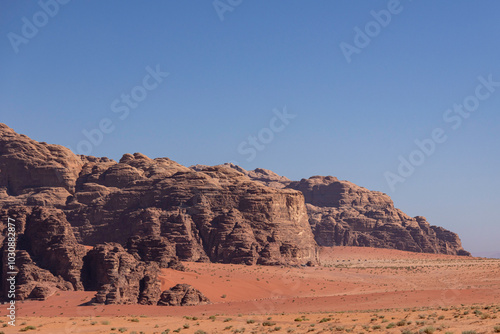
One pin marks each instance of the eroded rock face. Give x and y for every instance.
(214, 214)
(264, 176)
(156, 249)
(35, 282)
(48, 258)
(182, 295)
(344, 214)
(28, 166)
(141, 214)
(49, 239)
(119, 277)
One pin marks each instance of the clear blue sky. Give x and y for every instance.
(227, 76)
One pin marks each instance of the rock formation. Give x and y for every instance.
(156, 249)
(49, 238)
(27, 165)
(48, 258)
(182, 295)
(344, 214)
(142, 214)
(119, 278)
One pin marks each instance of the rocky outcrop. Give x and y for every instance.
(34, 282)
(28, 166)
(49, 239)
(119, 278)
(214, 214)
(264, 176)
(142, 214)
(182, 295)
(344, 214)
(48, 258)
(154, 249)
(163, 210)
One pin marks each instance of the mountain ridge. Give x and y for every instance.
(153, 213)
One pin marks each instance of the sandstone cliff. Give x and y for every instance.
(344, 214)
(142, 214)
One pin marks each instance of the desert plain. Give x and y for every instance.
(352, 290)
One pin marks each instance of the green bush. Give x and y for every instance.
(268, 323)
(428, 330)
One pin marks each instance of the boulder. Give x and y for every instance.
(182, 295)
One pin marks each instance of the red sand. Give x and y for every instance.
(349, 279)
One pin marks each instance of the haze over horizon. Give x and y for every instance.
(233, 79)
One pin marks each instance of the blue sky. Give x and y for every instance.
(227, 78)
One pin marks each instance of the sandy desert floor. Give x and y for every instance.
(354, 290)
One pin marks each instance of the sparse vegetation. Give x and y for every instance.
(427, 330)
(268, 323)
